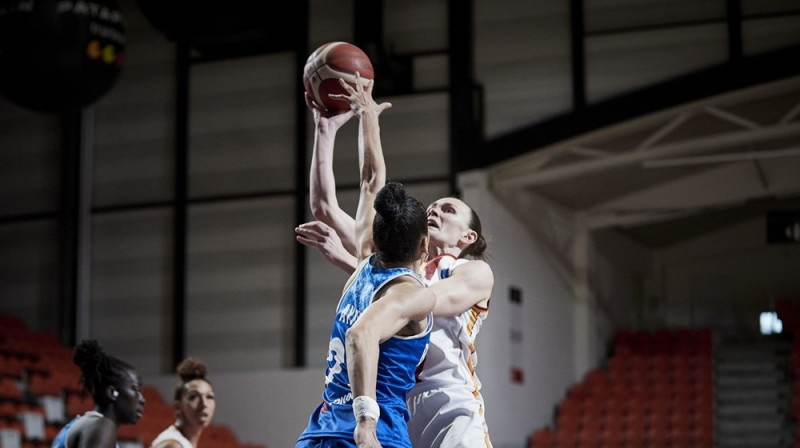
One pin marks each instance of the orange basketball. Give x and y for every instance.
(326, 65)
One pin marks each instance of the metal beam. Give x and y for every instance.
(734, 21)
(523, 177)
(69, 223)
(578, 55)
(731, 76)
(180, 203)
(722, 158)
(466, 135)
(301, 176)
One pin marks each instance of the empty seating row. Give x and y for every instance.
(655, 392)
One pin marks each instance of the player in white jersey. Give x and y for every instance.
(195, 403)
(173, 437)
(446, 406)
(462, 296)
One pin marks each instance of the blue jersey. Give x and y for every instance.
(399, 357)
(60, 441)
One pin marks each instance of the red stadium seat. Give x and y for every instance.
(541, 438)
(9, 389)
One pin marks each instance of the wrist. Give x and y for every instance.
(364, 406)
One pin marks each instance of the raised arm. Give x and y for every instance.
(322, 195)
(335, 234)
(370, 159)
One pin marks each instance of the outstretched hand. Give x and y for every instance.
(360, 96)
(322, 237)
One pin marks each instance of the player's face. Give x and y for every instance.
(448, 222)
(197, 403)
(129, 404)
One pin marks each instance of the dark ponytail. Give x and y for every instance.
(99, 369)
(399, 226)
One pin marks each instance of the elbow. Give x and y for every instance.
(371, 184)
(355, 340)
(353, 336)
(321, 211)
(316, 203)
(318, 213)
(322, 205)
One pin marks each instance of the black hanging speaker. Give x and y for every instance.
(59, 55)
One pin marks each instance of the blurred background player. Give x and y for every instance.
(115, 388)
(194, 407)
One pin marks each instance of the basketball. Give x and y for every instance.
(326, 65)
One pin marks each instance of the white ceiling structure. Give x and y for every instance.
(673, 174)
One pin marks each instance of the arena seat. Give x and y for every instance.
(35, 365)
(9, 391)
(541, 438)
(655, 390)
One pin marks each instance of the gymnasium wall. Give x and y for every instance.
(726, 279)
(545, 317)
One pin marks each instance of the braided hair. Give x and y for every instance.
(99, 370)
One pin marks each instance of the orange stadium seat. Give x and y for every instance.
(11, 366)
(129, 433)
(77, 404)
(563, 438)
(541, 438)
(9, 390)
(40, 385)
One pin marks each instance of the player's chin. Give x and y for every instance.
(204, 420)
(132, 420)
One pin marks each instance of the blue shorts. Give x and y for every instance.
(325, 443)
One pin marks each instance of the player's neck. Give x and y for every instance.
(379, 262)
(191, 432)
(437, 251)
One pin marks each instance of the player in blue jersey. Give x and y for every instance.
(115, 388)
(383, 320)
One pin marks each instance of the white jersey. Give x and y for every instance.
(172, 434)
(451, 358)
(445, 405)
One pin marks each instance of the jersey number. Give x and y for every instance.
(335, 354)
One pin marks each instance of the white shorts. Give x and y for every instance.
(447, 418)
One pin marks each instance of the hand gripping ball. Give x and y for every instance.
(326, 65)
